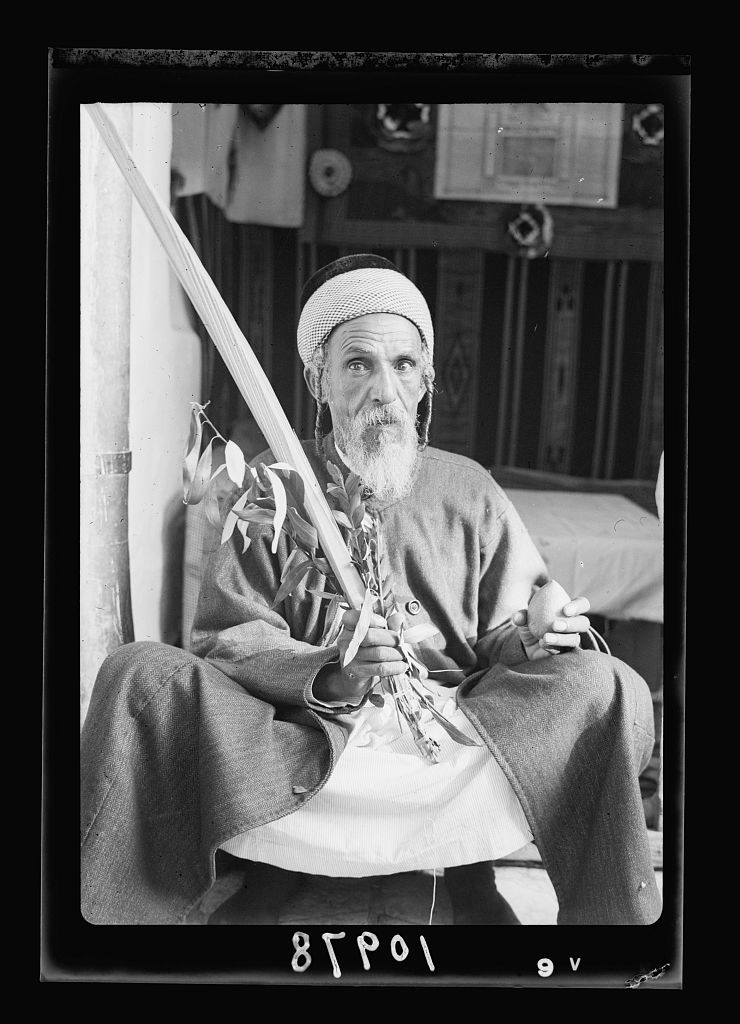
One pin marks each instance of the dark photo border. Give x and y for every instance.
(71, 948)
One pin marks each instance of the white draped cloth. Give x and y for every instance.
(386, 809)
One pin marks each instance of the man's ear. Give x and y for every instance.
(425, 387)
(312, 382)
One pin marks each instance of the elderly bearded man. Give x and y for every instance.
(263, 743)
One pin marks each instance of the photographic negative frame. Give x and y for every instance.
(72, 949)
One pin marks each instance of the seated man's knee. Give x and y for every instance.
(133, 672)
(143, 655)
(590, 672)
(604, 677)
(609, 679)
(636, 693)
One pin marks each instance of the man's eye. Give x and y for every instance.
(404, 365)
(355, 364)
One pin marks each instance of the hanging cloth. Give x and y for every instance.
(202, 141)
(267, 184)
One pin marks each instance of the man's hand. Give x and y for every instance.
(378, 655)
(567, 629)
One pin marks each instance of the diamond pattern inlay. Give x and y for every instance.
(455, 376)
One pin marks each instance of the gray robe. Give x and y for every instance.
(181, 751)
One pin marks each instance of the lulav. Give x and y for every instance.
(404, 694)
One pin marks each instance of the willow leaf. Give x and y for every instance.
(361, 628)
(342, 519)
(264, 501)
(242, 528)
(256, 515)
(418, 666)
(236, 464)
(190, 461)
(254, 488)
(303, 529)
(423, 631)
(212, 509)
(262, 478)
(202, 475)
(334, 615)
(291, 582)
(292, 482)
(449, 728)
(216, 473)
(232, 518)
(289, 561)
(281, 506)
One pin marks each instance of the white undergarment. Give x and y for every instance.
(385, 809)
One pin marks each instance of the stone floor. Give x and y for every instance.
(410, 898)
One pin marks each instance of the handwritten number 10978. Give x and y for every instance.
(366, 942)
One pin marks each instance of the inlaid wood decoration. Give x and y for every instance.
(561, 362)
(457, 340)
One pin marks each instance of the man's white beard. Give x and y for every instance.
(384, 458)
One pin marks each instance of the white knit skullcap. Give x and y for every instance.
(358, 292)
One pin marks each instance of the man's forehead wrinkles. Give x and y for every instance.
(388, 351)
(372, 341)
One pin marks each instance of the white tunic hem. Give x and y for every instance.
(384, 810)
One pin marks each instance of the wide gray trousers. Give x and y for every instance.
(176, 758)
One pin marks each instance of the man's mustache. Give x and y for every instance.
(381, 415)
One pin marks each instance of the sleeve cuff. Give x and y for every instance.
(512, 650)
(329, 707)
(501, 645)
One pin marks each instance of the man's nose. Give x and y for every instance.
(383, 386)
